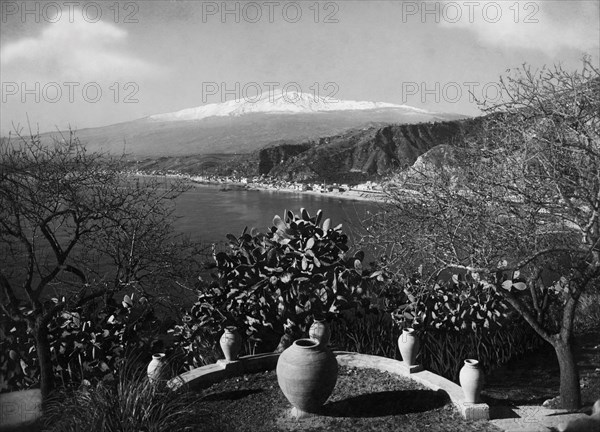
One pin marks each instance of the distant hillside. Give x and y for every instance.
(295, 137)
(363, 155)
(242, 126)
(352, 157)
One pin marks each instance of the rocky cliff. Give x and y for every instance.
(352, 157)
(360, 155)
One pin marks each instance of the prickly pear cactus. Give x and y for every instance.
(271, 284)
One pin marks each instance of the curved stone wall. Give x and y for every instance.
(206, 375)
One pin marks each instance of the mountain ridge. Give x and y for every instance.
(362, 155)
(290, 103)
(355, 156)
(244, 131)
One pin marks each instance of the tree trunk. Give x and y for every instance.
(42, 345)
(570, 393)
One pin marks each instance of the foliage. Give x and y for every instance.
(194, 342)
(521, 191)
(444, 352)
(130, 403)
(75, 226)
(401, 298)
(454, 320)
(274, 283)
(457, 318)
(459, 303)
(87, 344)
(588, 313)
(463, 302)
(367, 331)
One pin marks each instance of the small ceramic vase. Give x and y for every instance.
(231, 343)
(155, 366)
(319, 331)
(471, 380)
(408, 343)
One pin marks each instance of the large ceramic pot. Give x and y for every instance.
(155, 366)
(231, 343)
(307, 373)
(408, 343)
(471, 380)
(319, 331)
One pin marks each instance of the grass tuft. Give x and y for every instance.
(132, 403)
(587, 316)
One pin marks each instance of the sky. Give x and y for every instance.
(83, 64)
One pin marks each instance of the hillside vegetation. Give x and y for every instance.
(354, 156)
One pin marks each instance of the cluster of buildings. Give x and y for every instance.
(269, 183)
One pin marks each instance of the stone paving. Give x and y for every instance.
(524, 418)
(207, 374)
(531, 418)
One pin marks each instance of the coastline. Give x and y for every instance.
(226, 184)
(351, 195)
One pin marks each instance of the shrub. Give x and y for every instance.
(274, 283)
(194, 343)
(456, 319)
(444, 351)
(131, 403)
(588, 312)
(85, 343)
(366, 330)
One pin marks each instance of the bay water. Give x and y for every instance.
(208, 213)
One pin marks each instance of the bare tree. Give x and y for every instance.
(518, 203)
(75, 227)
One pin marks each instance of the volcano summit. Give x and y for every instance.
(245, 125)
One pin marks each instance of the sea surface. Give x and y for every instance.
(208, 213)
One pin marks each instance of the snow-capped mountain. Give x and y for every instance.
(278, 102)
(243, 126)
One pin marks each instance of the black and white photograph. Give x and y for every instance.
(311, 215)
